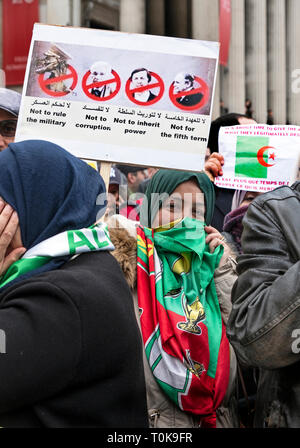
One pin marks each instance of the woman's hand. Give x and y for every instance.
(215, 239)
(213, 165)
(9, 223)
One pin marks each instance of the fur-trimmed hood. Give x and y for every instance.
(123, 236)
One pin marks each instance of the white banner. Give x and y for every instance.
(120, 97)
(259, 157)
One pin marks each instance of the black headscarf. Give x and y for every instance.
(225, 120)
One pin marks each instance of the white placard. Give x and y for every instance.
(119, 97)
(259, 157)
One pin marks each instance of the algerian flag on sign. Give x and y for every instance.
(254, 157)
(259, 157)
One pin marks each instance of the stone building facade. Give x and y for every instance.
(264, 57)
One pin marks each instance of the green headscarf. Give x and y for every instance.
(166, 181)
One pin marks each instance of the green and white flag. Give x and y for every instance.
(259, 157)
(66, 244)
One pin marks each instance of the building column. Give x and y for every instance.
(133, 16)
(233, 89)
(256, 58)
(277, 60)
(177, 23)
(205, 26)
(156, 17)
(58, 12)
(76, 13)
(293, 61)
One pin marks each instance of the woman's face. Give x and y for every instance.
(187, 200)
(249, 196)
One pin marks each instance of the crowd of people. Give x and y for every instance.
(172, 304)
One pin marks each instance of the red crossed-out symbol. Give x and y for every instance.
(45, 83)
(159, 83)
(202, 89)
(87, 88)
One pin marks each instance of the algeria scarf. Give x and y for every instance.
(65, 244)
(183, 332)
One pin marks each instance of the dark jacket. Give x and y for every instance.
(73, 349)
(266, 304)
(222, 206)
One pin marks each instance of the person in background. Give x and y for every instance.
(134, 175)
(232, 231)
(248, 108)
(223, 195)
(114, 197)
(233, 222)
(264, 325)
(143, 185)
(270, 117)
(9, 111)
(223, 109)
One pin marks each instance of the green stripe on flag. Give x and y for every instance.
(246, 162)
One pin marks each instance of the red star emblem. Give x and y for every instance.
(272, 156)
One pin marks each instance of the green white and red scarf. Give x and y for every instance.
(65, 244)
(183, 332)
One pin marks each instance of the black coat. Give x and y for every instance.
(73, 350)
(223, 205)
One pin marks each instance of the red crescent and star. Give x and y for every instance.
(260, 156)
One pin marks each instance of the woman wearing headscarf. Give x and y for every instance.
(233, 222)
(65, 364)
(182, 281)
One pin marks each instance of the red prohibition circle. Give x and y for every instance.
(44, 83)
(86, 87)
(203, 89)
(159, 83)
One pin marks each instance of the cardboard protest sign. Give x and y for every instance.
(119, 97)
(259, 157)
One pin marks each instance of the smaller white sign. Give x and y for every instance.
(259, 157)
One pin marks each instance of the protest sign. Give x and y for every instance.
(103, 96)
(259, 157)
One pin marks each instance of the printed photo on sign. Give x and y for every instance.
(120, 97)
(189, 92)
(121, 77)
(141, 85)
(101, 82)
(56, 77)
